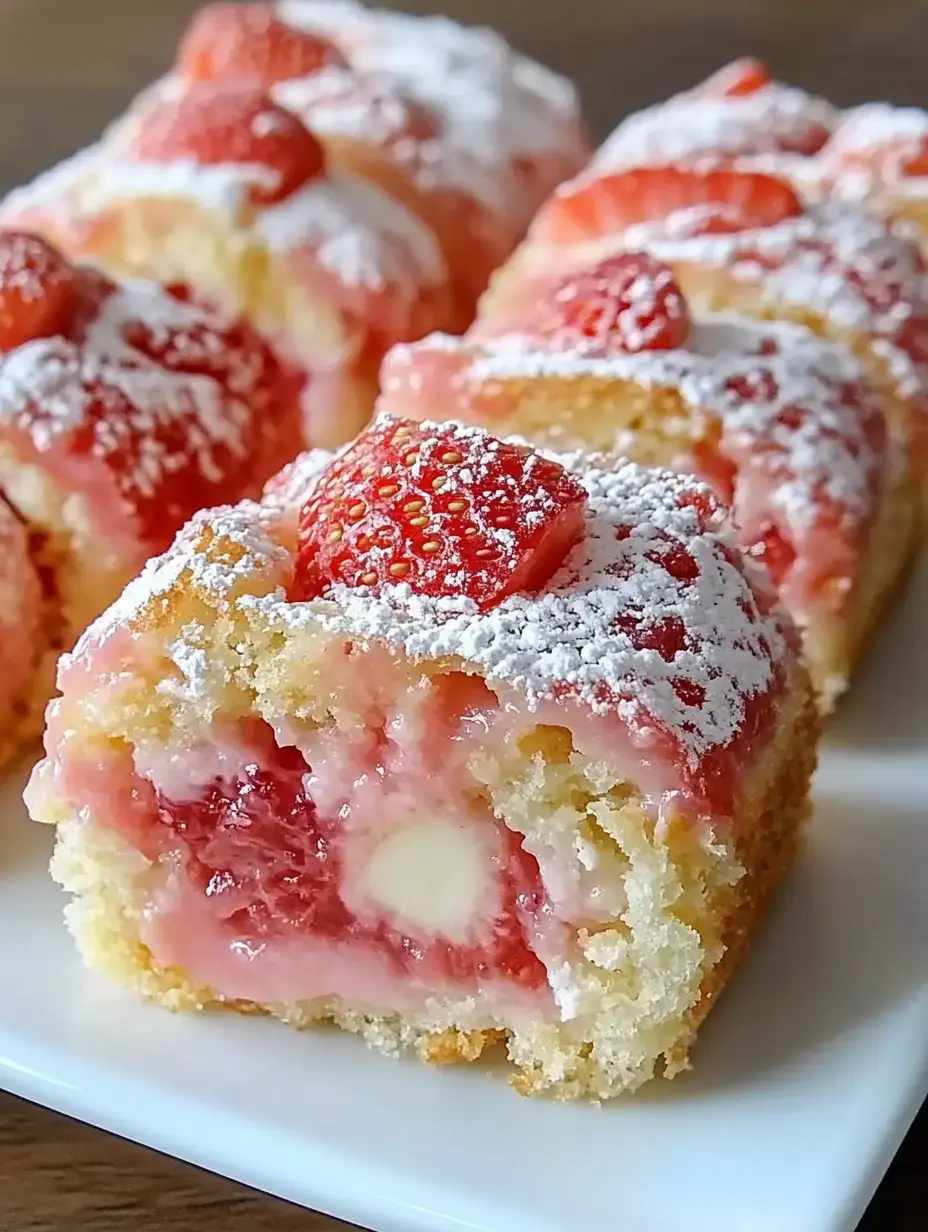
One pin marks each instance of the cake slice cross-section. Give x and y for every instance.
(447, 741)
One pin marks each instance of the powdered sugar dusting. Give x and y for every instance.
(221, 552)
(804, 431)
(360, 234)
(373, 109)
(688, 126)
(858, 272)
(649, 562)
(494, 107)
(102, 391)
(871, 149)
(655, 558)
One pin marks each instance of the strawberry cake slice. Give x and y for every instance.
(519, 120)
(222, 189)
(123, 410)
(447, 741)
(784, 426)
(743, 242)
(372, 126)
(878, 155)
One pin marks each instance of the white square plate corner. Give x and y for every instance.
(807, 1074)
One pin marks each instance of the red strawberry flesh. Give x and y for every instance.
(242, 127)
(735, 80)
(248, 42)
(448, 510)
(38, 291)
(629, 302)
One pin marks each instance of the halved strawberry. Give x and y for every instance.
(447, 509)
(214, 124)
(38, 290)
(744, 76)
(689, 202)
(249, 42)
(629, 302)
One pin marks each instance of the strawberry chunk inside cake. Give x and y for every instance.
(537, 797)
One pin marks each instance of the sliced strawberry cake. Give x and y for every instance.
(447, 741)
(427, 148)
(520, 120)
(784, 426)
(743, 241)
(123, 409)
(224, 190)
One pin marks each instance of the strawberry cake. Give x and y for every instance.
(123, 409)
(447, 741)
(783, 425)
(224, 190)
(417, 133)
(743, 241)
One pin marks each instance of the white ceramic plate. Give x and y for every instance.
(808, 1073)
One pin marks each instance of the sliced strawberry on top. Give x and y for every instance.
(629, 302)
(689, 202)
(741, 77)
(214, 124)
(452, 511)
(249, 42)
(38, 290)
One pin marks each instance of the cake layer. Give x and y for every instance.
(433, 127)
(436, 811)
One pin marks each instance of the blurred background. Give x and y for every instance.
(68, 66)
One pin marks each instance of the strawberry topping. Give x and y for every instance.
(248, 42)
(742, 77)
(629, 302)
(689, 202)
(37, 290)
(448, 510)
(214, 125)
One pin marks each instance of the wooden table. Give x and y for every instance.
(66, 67)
